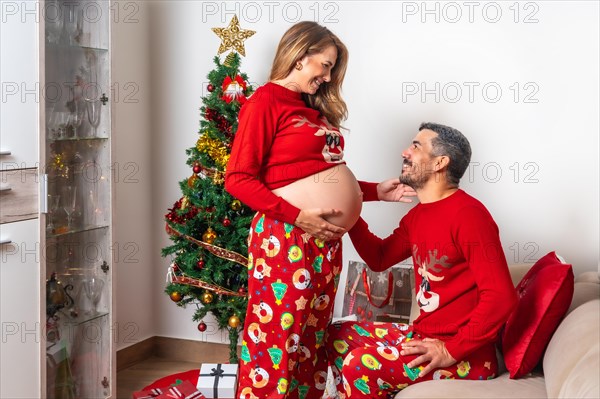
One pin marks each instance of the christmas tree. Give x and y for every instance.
(208, 227)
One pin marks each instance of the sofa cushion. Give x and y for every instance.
(518, 271)
(545, 293)
(588, 277)
(582, 382)
(531, 386)
(584, 292)
(573, 340)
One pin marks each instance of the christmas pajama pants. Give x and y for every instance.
(292, 280)
(366, 360)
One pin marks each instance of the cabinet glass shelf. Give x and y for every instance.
(59, 233)
(81, 318)
(68, 47)
(76, 139)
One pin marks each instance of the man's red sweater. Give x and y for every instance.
(464, 289)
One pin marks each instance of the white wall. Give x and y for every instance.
(549, 135)
(552, 202)
(180, 60)
(132, 170)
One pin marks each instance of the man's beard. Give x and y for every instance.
(416, 183)
(414, 180)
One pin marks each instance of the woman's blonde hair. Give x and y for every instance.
(306, 38)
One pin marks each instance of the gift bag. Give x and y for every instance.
(378, 296)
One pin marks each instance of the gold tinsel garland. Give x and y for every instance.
(215, 149)
(217, 251)
(217, 176)
(213, 249)
(194, 282)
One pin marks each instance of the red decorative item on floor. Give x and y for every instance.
(185, 390)
(173, 379)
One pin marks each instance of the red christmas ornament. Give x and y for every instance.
(202, 326)
(200, 264)
(241, 290)
(233, 89)
(210, 87)
(197, 169)
(175, 267)
(226, 222)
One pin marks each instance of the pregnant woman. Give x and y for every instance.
(287, 163)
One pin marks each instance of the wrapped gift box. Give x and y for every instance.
(185, 390)
(147, 394)
(218, 381)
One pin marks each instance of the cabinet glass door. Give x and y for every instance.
(77, 251)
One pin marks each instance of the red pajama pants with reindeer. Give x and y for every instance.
(292, 281)
(366, 362)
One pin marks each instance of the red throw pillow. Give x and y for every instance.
(545, 294)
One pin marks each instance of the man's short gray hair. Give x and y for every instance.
(453, 144)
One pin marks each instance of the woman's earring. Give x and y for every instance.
(299, 66)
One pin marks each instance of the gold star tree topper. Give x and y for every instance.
(233, 36)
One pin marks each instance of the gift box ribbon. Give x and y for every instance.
(217, 372)
(189, 393)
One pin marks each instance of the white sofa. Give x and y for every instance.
(570, 366)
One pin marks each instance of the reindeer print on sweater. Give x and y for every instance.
(428, 300)
(333, 151)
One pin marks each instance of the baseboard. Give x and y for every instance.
(175, 349)
(135, 353)
(191, 351)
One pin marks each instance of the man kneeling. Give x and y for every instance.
(463, 286)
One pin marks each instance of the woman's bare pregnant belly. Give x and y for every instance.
(335, 188)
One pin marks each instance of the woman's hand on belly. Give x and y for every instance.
(331, 199)
(312, 221)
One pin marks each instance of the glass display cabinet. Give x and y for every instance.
(76, 183)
